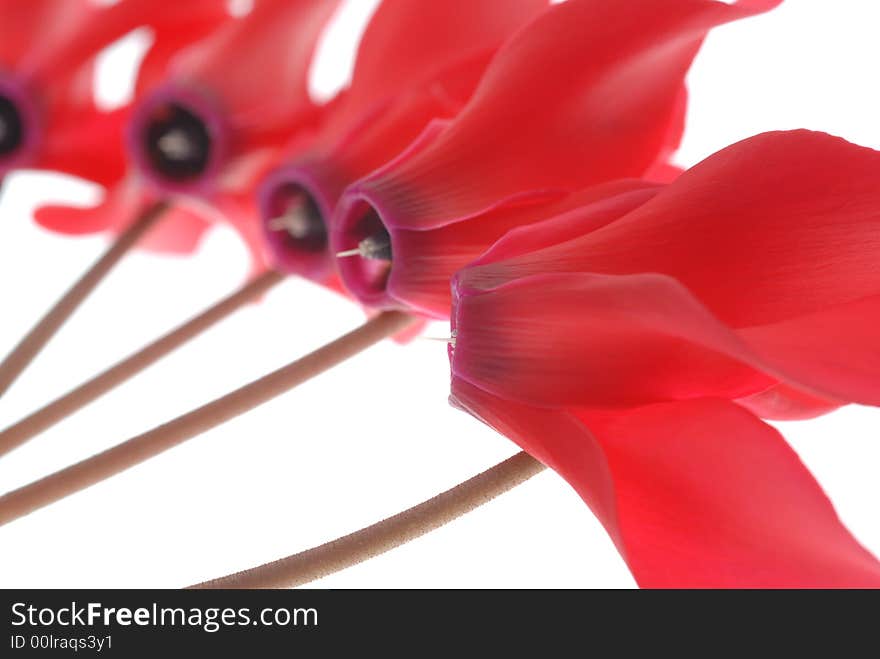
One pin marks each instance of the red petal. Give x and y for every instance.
(779, 225)
(708, 496)
(698, 494)
(179, 231)
(91, 132)
(57, 37)
(21, 21)
(584, 94)
(421, 280)
(588, 92)
(43, 40)
(599, 340)
(408, 43)
(578, 215)
(256, 68)
(595, 340)
(175, 26)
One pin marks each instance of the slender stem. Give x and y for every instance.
(31, 345)
(71, 402)
(99, 467)
(386, 535)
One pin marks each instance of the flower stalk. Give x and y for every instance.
(73, 401)
(357, 547)
(97, 468)
(34, 342)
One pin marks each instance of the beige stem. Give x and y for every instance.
(69, 403)
(99, 467)
(31, 345)
(386, 535)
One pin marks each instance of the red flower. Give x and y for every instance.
(215, 123)
(617, 354)
(589, 92)
(419, 60)
(47, 58)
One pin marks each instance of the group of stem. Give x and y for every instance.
(294, 570)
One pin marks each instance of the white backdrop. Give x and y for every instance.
(376, 435)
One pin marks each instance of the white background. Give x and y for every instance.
(376, 435)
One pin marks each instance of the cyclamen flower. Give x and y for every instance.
(418, 61)
(620, 357)
(213, 121)
(589, 92)
(48, 49)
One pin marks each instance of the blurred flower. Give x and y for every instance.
(588, 92)
(48, 51)
(211, 120)
(418, 61)
(617, 351)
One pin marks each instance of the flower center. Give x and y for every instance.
(376, 246)
(11, 127)
(367, 256)
(297, 218)
(177, 143)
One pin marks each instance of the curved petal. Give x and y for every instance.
(582, 213)
(587, 91)
(698, 494)
(20, 21)
(60, 36)
(603, 340)
(175, 26)
(710, 496)
(576, 339)
(407, 43)
(256, 68)
(33, 32)
(423, 257)
(779, 225)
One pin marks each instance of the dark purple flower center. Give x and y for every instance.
(177, 143)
